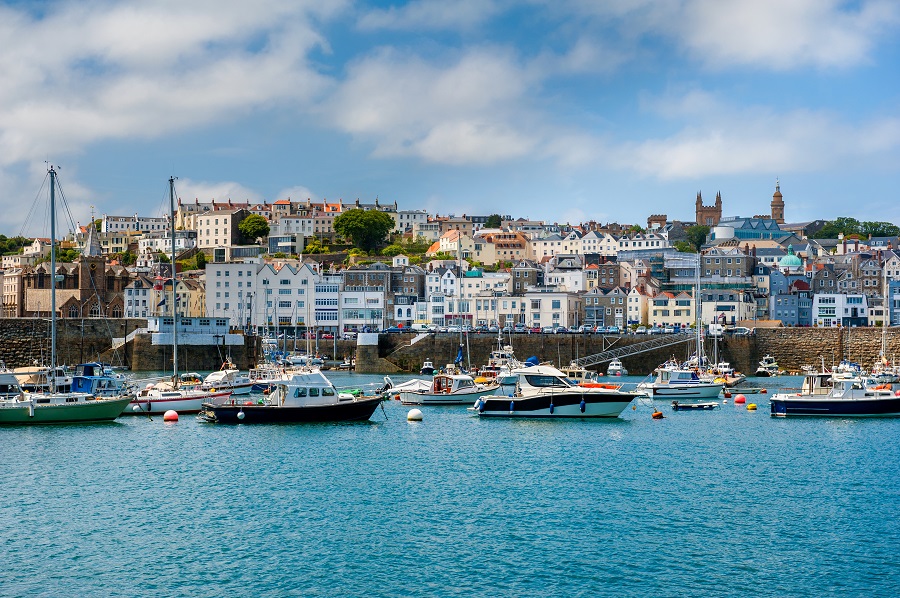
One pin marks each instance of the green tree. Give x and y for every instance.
(200, 260)
(366, 229)
(696, 235)
(842, 225)
(314, 246)
(493, 221)
(392, 250)
(126, 258)
(67, 255)
(684, 246)
(635, 229)
(162, 258)
(879, 229)
(253, 227)
(443, 255)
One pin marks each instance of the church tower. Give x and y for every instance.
(708, 215)
(778, 204)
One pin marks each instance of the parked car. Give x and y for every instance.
(507, 329)
(327, 336)
(394, 330)
(740, 331)
(547, 330)
(520, 328)
(534, 330)
(640, 330)
(493, 329)
(349, 336)
(480, 329)
(561, 330)
(655, 330)
(443, 329)
(585, 329)
(454, 329)
(613, 330)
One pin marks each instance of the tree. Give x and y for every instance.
(392, 250)
(254, 227)
(364, 228)
(636, 229)
(684, 246)
(839, 226)
(315, 246)
(696, 235)
(879, 229)
(126, 258)
(67, 255)
(163, 258)
(200, 259)
(493, 221)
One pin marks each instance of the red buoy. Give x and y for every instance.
(727, 395)
(658, 415)
(170, 416)
(740, 399)
(763, 391)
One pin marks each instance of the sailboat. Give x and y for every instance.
(684, 381)
(53, 407)
(163, 396)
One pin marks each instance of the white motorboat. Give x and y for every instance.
(767, 367)
(228, 377)
(457, 389)
(824, 395)
(545, 392)
(415, 385)
(680, 383)
(616, 368)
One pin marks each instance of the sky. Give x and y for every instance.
(557, 110)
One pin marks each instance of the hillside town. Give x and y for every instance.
(295, 272)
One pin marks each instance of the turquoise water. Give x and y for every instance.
(724, 502)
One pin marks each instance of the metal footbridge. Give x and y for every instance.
(651, 345)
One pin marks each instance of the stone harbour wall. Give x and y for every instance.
(792, 347)
(26, 340)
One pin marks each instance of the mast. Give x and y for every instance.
(697, 321)
(51, 375)
(174, 295)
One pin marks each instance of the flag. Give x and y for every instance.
(161, 303)
(459, 356)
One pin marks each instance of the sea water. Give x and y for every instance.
(722, 502)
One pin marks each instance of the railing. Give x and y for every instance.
(118, 343)
(651, 345)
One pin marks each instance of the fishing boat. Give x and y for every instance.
(824, 395)
(54, 407)
(768, 366)
(171, 395)
(427, 368)
(681, 383)
(304, 396)
(543, 391)
(457, 389)
(616, 368)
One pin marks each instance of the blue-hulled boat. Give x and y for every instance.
(99, 379)
(824, 395)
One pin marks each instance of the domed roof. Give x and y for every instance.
(790, 260)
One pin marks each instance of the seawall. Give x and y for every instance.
(792, 347)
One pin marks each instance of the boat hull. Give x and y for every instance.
(564, 405)
(361, 409)
(684, 391)
(427, 398)
(189, 404)
(783, 406)
(68, 413)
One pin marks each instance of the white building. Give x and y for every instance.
(833, 309)
(552, 308)
(137, 224)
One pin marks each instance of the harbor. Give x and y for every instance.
(690, 504)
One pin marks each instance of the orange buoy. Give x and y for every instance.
(763, 391)
(740, 399)
(170, 416)
(658, 415)
(248, 402)
(727, 395)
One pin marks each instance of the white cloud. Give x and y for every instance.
(783, 35)
(296, 193)
(719, 138)
(206, 191)
(97, 71)
(471, 111)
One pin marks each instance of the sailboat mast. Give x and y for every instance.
(174, 295)
(51, 375)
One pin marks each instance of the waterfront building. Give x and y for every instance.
(727, 305)
(219, 228)
(835, 309)
(547, 306)
(672, 309)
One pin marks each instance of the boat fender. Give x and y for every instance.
(583, 405)
(481, 406)
(897, 393)
(551, 407)
(512, 406)
(763, 391)
(241, 415)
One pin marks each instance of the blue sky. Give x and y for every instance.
(558, 110)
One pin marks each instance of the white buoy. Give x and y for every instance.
(241, 415)
(135, 407)
(414, 415)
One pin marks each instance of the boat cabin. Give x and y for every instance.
(308, 388)
(444, 384)
(677, 377)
